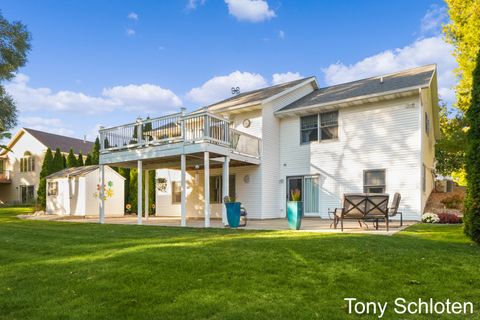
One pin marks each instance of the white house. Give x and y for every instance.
(76, 191)
(371, 135)
(20, 168)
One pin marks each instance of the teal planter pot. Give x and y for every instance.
(233, 214)
(294, 214)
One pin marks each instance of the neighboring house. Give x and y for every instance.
(75, 192)
(373, 135)
(20, 168)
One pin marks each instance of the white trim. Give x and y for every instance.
(139, 191)
(206, 196)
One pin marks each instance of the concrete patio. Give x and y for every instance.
(309, 224)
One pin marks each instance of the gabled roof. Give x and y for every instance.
(54, 141)
(259, 95)
(73, 172)
(380, 85)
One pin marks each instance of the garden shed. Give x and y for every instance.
(75, 192)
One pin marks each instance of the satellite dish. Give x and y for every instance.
(235, 90)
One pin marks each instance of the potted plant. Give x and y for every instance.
(233, 211)
(295, 210)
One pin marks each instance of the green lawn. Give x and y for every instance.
(54, 270)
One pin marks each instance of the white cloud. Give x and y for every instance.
(193, 4)
(219, 87)
(142, 97)
(130, 32)
(132, 16)
(278, 78)
(421, 52)
(145, 98)
(52, 125)
(281, 34)
(250, 10)
(433, 20)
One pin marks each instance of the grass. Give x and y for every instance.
(60, 270)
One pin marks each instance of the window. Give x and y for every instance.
(329, 125)
(27, 194)
(309, 128)
(27, 162)
(374, 181)
(424, 178)
(176, 192)
(216, 192)
(427, 124)
(323, 126)
(52, 188)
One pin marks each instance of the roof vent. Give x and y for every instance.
(381, 79)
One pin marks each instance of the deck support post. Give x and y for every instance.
(139, 191)
(225, 188)
(206, 208)
(101, 195)
(147, 207)
(183, 168)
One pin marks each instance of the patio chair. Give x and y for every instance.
(354, 207)
(377, 208)
(362, 207)
(393, 210)
(243, 217)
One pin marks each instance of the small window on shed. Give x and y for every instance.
(52, 188)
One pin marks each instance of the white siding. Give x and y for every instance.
(290, 97)
(375, 136)
(428, 146)
(246, 193)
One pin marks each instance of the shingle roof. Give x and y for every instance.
(417, 77)
(54, 141)
(251, 97)
(73, 172)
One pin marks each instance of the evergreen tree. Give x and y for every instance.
(80, 160)
(57, 161)
(472, 202)
(132, 193)
(47, 169)
(64, 161)
(96, 151)
(88, 161)
(125, 172)
(151, 192)
(71, 160)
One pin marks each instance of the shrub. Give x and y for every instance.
(453, 202)
(430, 218)
(451, 218)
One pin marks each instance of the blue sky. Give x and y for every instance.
(106, 62)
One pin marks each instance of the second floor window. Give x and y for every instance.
(27, 163)
(318, 127)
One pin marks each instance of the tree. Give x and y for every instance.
(47, 169)
(64, 161)
(80, 160)
(88, 160)
(132, 193)
(96, 151)
(472, 202)
(71, 160)
(57, 161)
(464, 33)
(14, 46)
(450, 148)
(125, 172)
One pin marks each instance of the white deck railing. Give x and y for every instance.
(193, 128)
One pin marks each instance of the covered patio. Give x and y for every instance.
(183, 142)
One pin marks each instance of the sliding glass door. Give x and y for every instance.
(309, 190)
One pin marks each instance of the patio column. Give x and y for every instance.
(225, 187)
(139, 191)
(101, 194)
(206, 209)
(147, 207)
(183, 168)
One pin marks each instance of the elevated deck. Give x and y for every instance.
(166, 138)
